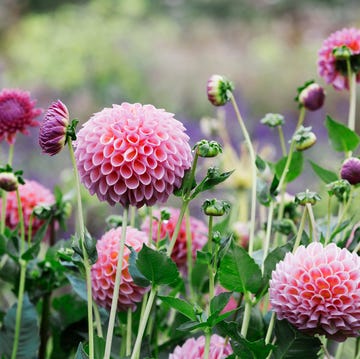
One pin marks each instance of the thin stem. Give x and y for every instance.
(210, 268)
(207, 344)
(189, 256)
(253, 172)
(282, 141)
(312, 222)
(150, 214)
(339, 351)
(143, 322)
(300, 230)
(352, 100)
(133, 216)
(268, 234)
(270, 328)
(86, 258)
(11, 154)
(114, 302)
(31, 219)
(97, 321)
(128, 332)
(3, 211)
(327, 237)
(246, 317)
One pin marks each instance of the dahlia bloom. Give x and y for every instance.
(133, 154)
(317, 289)
(32, 194)
(52, 134)
(333, 69)
(198, 231)
(17, 113)
(194, 348)
(350, 170)
(103, 272)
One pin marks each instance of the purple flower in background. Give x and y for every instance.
(350, 170)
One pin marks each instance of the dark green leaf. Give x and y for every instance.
(138, 278)
(156, 266)
(260, 163)
(325, 175)
(99, 346)
(295, 168)
(341, 137)
(218, 303)
(262, 192)
(81, 353)
(78, 284)
(181, 306)
(192, 325)
(2, 244)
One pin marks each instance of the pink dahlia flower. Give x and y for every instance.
(17, 113)
(52, 134)
(32, 194)
(103, 272)
(317, 289)
(133, 154)
(194, 348)
(198, 234)
(334, 70)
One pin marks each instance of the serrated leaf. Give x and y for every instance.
(238, 271)
(342, 138)
(156, 266)
(324, 174)
(180, 305)
(295, 168)
(138, 278)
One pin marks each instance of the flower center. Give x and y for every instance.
(10, 110)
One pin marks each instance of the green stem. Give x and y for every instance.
(97, 321)
(339, 351)
(282, 141)
(352, 100)
(207, 344)
(128, 332)
(270, 328)
(86, 258)
(300, 230)
(312, 222)
(114, 302)
(210, 268)
(189, 256)
(247, 315)
(143, 322)
(268, 234)
(11, 154)
(253, 172)
(327, 237)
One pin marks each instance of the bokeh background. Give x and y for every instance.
(93, 53)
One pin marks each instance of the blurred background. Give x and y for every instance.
(93, 53)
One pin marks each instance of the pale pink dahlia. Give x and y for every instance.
(167, 227)
(32, 194)
(333, 69)
(194, 348)
(317, 289)
(52, 133)
(17, 113)
(103, 272)
(133, 154)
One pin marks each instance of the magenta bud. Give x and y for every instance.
(350, 170)
(312, 97)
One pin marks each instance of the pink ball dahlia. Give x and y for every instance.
(198, 234)
(194, 348)
(32, 194)
(103, 272)
(133, 154)
(52, 134)
(17, 113)
(317, 289)
(333, 69)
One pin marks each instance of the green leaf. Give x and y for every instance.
(81, 353)
(99, 346)
(325, 175)
(181, 306)
(238, 271)
(138, 278)
(191, 325)
(292, 344)
(341, 137)
(78, 284)
(260, 163)
(263, 192)
(295, 168)
(156, 266)
(218, 303)
(29, 338)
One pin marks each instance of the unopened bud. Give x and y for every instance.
(350, 170)
(304, 138)
(273, 120)
(219, 90)
(206, 148)
(311, 96)
(214, 207)
(8, 181)
(303, 198)
(340, 189)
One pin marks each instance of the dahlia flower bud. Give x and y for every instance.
(340, 189)
(219, 90)
(303, 198)
(273, 120)
(17, 113)
(104, 270)
(214, 207)
(194, 348)
(198, 230)
(8, 181)
(206, 148)
(52, 135)
(132, 154)
(311, 96)
(317, 289)
(350, 170)
(304, 138)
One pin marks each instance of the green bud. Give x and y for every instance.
(304, 138)
(219, 90)
(340, 189)
(214, 207)
(342, 52)
(206, 148)
(273, 120)
(303, 198)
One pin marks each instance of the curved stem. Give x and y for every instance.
(114, 302)
(270, 328)
(97, 321)
(247, 316)
(312, 222)
(128, 332)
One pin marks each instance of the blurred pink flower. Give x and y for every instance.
(17, 113)
(194, 348)
(103, 272)
(32, 194)
(231, 304)
(317, 289)
(334, 70)
(133, 154)
(198, 231)
(52, 134)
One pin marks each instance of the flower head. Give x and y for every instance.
(8, 181)
(52, 135)
(317, 289)
(332, 67)
(194, 348)
(32, 195)
(350, 170)
(219, 90)
(198, 231)
(132, 154)
(17, 113)
(311, 96)
(103, 272)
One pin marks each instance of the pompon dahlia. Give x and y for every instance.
(32, 194)
(17, 113)
(333, 68)
(52, 134)
(194, 348)
(317, 289)
(133, 154)
(198, 234)
(103, 272)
